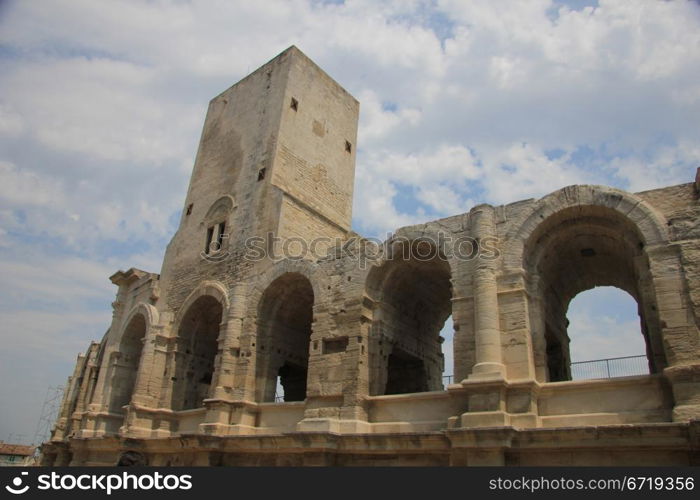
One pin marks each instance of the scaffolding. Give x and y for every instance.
(47, 417)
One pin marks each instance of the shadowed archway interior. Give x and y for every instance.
(126, 365)
(196, 353)
(284, 332)
(411, 293)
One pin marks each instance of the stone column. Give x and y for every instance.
(489, 361)
(536, 314)
(229, 352)
(221, 406)
(99, 396)
(148, 375)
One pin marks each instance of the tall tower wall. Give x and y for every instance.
(276, 158)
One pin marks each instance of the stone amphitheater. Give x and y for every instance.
(265, 286)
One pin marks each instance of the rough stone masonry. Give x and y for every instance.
(265, 286)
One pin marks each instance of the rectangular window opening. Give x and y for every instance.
(261, 174)
(332, 346)
(210, 237)
(222, 232)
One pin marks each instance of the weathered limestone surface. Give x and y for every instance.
(264, 281)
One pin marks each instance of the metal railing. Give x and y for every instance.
(609, 368)
(624, 366)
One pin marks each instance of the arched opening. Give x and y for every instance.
(127, 364)
(575, 250)
(196, 353)
(604, 333)
(412, 295)
(284, 333)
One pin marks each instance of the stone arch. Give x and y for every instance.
(216, 226)
(149, 312)
(127, 359)
(651, 225)
(198, 326)
(441, 242)
(308, 269)
(284, 317)
(213, 289)
(409, 291)
(576, 239)
(220, 209)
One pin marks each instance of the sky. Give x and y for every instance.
(102, 104)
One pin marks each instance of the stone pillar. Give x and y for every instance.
(221, 360)
(678, 330)
(245, 375)
(536, 317)
(357, 375)
(229, 347)
(489, 361)
(150, 372)
(463, 320)
(99, 397)
(484, 390)
(219, 408)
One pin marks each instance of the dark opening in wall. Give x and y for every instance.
(189, 209)
(284, 322)
(197, 339)
(348, 147)
(294, 104)
(413, 302)
(210, 236)
(131, 458)
(331, 346)
(406, 373)
(293, 381)
(124, 372)
(261, 174)
(222, 232)
(215, 238)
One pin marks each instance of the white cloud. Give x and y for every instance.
(56, 335)
(376, 121)
(523, 170)
(27, 188)
(34, 276)
(11, 122)
(666, 166)
(374, 204)
(443, 199)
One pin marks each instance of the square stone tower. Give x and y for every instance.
(276, 158)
